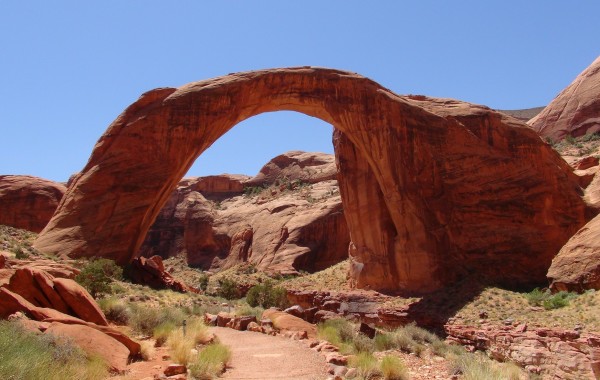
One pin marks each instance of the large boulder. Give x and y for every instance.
(577, 265)
(93, 342)
(575, 111)
(151, 272)
(28, 202)
(287, 322)
(442, 189)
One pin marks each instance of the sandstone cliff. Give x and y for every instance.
(575, 111)
(28, 202)
(289, 218)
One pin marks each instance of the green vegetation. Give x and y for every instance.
(25, 355)
(229, 289)
(98, 275)
(548, 300)
(366, 365)
(210, 362)
(478, 367)
(144, 320)
(267, 295)
(393, 368)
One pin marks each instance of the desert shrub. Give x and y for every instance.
(115, 310)
(25, 355)
(477, 367)
(393, 368)
(229, 289)
(162, 331)
(362, 343)
(366, 365)
(383, 341)
(267, 295)
(198, 331)
(247, 310)
(558, 300)
(342, 333)
(419, 334)
(145, 319)
(98, 275)
(210, 362)
(147, 350)
(20, 253)
(548, 300)
(203, 282)
(180, 346)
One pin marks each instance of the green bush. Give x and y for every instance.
(98, 275)
(144, 319)
(115, 310)
(366, 365)
(25, 355)
(203, 282)
(229, 289)
(548, 300)
(267, 295)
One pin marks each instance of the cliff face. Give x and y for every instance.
(284, 225)
(28, 202)
(574, 112)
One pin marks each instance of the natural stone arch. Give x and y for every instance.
(401, 161)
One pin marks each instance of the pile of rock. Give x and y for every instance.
(566, 354)
(46, 304)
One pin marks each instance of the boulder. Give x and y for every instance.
(80, 301)
(28, 202)
(223, 319)
(577, 266)
(94, 342)
(175, 369)
(241, 323)
(575, 111)
(286, 322)
(434, 189)
(152, 272)
(296, 311)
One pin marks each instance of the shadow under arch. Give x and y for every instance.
(392, 154)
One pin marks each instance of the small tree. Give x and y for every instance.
(97, 276)
(267, 295)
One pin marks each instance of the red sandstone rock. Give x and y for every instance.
(284, 232)
(560, 354)
(151, 272)
(434, 188)
(175, 369)
(94, 342)
(303, 167)
(53, 268)
(575, 111)
(586, 163)
(80, 301)
(286, 322)
(577, 266)
(28, 202)
(2, 261)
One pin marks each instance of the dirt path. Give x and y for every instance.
(259, 356)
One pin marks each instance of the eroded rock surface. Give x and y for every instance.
(28, 202)
(577, 265)
(283, 223)
(575, 111)
(443, 188)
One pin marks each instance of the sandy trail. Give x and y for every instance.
(259, 356)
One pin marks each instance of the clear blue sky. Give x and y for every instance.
(68, 68)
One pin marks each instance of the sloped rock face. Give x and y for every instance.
(151, 272)
(577, 265)
(460, 185)
(296, 165)
(575, 111)
(289, 226)
(28, 202)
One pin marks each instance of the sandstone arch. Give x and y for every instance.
(434, 188)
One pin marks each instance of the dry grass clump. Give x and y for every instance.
(210, 362)
(478, 367)
(393, 368)
(366, 365)
(26, 355)
(181, 345)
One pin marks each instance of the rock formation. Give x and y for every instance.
(283, 224)
(151, 272)
(28, 202)
(575, 111)
(577, 265)
(438, 188)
